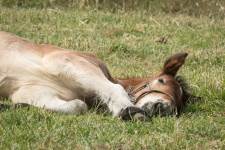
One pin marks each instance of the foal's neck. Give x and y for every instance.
(131, 82)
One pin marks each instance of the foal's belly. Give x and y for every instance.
(26, 71)
(10, 84)
(14, 76)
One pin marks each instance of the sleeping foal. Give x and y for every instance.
(66, 81)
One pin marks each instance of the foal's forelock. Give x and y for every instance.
(183, 84)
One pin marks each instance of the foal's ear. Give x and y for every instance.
(173, 63)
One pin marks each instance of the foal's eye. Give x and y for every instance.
(161, 81)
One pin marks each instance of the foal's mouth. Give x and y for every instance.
(158, 104)
(160, 108)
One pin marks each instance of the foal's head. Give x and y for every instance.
(166, 93)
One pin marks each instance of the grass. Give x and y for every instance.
(127, 43)
(212, 9)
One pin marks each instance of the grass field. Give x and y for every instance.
(127, 43)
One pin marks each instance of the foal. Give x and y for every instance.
(66, 81)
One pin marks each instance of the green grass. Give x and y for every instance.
(126, 42)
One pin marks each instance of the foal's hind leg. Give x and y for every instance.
(46, 99)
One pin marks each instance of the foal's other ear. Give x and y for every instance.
(173, 63)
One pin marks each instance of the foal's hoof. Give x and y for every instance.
(133, 113)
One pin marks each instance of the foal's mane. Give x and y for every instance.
(187, 93)
(182, 82)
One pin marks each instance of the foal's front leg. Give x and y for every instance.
(114, 95)
(77, 72)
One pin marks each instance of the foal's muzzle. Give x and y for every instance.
(160, 108)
